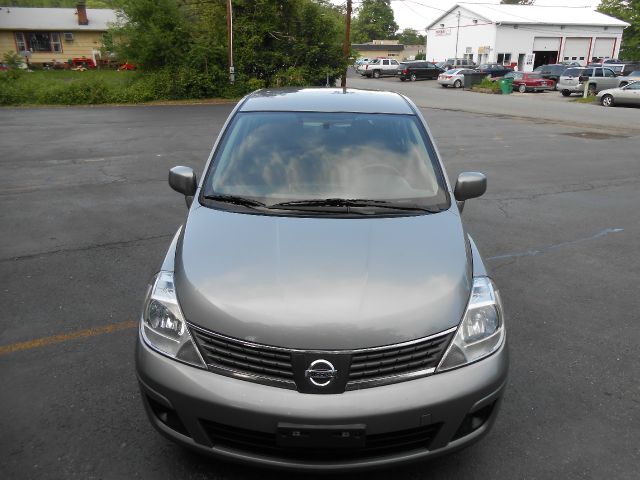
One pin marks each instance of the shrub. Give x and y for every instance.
(489, 84)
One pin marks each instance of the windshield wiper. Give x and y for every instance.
(352, 202)
(235, 200)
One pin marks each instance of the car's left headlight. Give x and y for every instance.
(163, 326)
(481, 331)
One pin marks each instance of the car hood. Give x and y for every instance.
(322, 283)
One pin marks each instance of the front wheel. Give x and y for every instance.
(413, 77)
(376, 74)
(457, 84)
(607, 100)
(565, 93)
(522, 88)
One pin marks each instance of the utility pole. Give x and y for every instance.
(232, 73)
(457, 34)
(347, 44)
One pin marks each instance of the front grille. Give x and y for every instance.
(237, 356)
(263, 443)
(278, 366)
(398, 360)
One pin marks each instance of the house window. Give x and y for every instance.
(40, 41)
(56, 45)
(21, 43)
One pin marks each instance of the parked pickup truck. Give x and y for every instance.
(381, 66)
(598, 78)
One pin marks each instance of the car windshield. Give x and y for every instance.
(276, 157)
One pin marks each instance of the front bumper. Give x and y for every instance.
(182, 401)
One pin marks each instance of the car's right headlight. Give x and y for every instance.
(481, 331)
(163, 326)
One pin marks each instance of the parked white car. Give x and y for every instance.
(627, 95)
(379, 67)
(453, 77)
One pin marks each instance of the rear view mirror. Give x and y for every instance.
(183, 180)
(469, 185)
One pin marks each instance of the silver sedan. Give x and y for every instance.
(453, 77)
(627, 95)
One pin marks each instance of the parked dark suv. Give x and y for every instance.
(494, 69)
(418, 70)
(552, 71)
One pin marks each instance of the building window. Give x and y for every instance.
(504, 58)
(21, 43)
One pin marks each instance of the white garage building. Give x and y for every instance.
(523, 35)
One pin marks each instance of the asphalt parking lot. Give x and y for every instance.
(86, 216)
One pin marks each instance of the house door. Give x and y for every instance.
(521, 61)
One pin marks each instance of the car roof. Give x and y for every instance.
(325, 100)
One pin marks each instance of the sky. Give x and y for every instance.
(417, 14)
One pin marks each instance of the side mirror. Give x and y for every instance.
(183, 180)
(469, 185)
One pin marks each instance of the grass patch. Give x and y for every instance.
(589, 99)
(108, 86)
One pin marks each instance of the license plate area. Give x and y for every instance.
(292, 435)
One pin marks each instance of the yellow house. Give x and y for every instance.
(387, 48)
(54, 34)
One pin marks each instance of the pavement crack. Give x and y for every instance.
(571, 188)
(120, 244)
(532, 252)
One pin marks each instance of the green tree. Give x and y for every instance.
(629, 11)
(374, 20)
(153, 34)
(409, 36)
(288, 42)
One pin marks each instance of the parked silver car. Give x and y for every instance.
(627, 95)
(453, 77)
(632, 77)
(322, 307)
(597, 78)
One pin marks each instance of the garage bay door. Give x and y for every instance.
(546, 44)
(603, 48)
(576, 49)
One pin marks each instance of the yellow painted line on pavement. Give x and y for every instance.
(65, 337)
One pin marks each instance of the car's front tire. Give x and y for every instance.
(607, 100)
